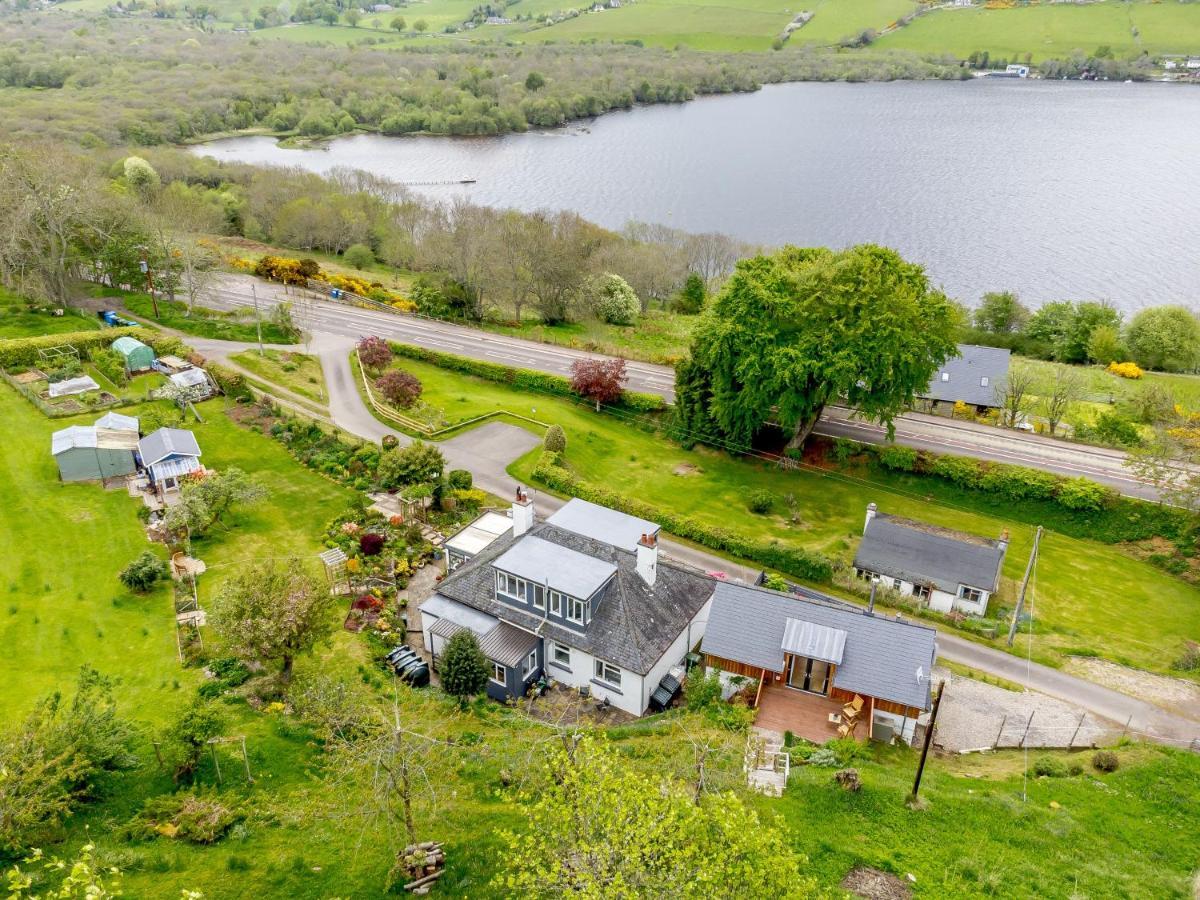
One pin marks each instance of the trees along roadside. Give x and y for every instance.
(794, 331)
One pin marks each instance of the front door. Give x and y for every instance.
(811, 675)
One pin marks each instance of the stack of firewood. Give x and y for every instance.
(421, 865)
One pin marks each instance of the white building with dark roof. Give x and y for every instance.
(976, 376)
(949, 570)
(599, 615)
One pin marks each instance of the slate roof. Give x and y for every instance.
(604, 524)
(966, 371)
(167, 442)
(880, 657)
(633, 624)
(928, 554)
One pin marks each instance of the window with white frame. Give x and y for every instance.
(577, 610)
(921, 591)
(945, 376)
(560, 655)
(536, 594)
(556, 603)
(530, 665)
(499, 674)
(519, 589)
(983, 381)
(970, 594)
(896, 583)
(607, 672)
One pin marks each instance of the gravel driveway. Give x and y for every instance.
(979, 716)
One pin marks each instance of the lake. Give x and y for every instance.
(1057, 190)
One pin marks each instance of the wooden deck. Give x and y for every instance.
(783, 709)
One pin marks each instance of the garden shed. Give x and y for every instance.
(138, 356)
(168, 454)
(90, 453)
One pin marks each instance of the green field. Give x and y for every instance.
(20, 318)
(295, 372)
(834, 20)
(1143, 623)
(1055, 30)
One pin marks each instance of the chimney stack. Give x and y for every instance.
(647, 558)
(871, 510)
(1003, 542)
(522, 513)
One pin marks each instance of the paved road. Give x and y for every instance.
(488, 450)
(327, 320)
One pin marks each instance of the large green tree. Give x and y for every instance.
(1165, 337)
(273, 612)
(799, 329)
(1001, 313)
(598, 829)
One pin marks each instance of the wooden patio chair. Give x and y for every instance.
(843, 731)
(853, 708)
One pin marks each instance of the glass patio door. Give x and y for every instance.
(810, 675)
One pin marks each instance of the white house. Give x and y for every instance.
(574, 599)
(948, 569)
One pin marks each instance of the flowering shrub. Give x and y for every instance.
(1125, 369)
(351, 528)
(399, 388)
(371, 544)
(374, 352)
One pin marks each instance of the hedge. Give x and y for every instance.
(24, 351)
(804, 564)
(232, 384)
(521, 379)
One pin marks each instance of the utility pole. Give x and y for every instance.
(1016, 620)
(145, 267)
(257, 320)
(937, 701)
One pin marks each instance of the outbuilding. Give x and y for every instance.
(168, 454)
(138, 357)
(91, 453)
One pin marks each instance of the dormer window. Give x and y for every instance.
(556, 603)
(577, 611)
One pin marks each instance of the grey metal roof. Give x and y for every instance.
(556, 566)
(928, 554)
(881, 654)
(507, 644)
(444, 628)
(804, 638)
(118, 421)
(966, 373)
(71, 437)
(632, 626)
(167, 442)
(602, 524)
(445, 608)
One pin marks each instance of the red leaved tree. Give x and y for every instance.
(598, 380)
(374, 352)
(399, 387)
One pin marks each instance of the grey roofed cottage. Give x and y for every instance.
(949, 569)
(90, 453)
(602, 524)
(972, 377)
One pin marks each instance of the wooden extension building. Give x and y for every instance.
(820, 667)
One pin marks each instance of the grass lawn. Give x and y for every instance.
(837, 19)
(1053, 30)
(658, 337)
(1088, 595)
(207, 323)
(1128, 834)
(703, 25)
(18, 320)
(296, 372)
